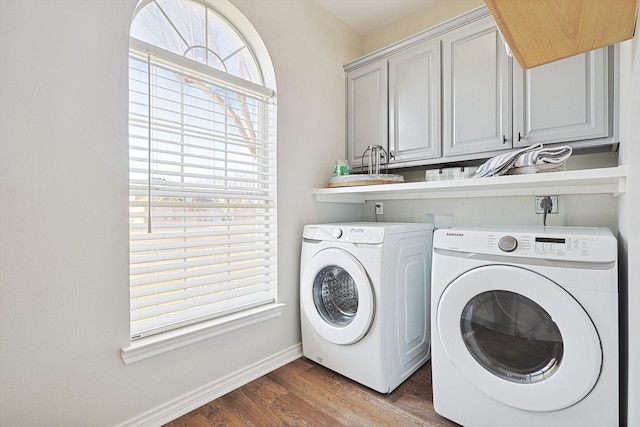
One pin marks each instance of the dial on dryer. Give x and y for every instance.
(508, 244)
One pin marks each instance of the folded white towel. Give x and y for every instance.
(499, 165)
(545, 167)
(527, 160)
(542, 156)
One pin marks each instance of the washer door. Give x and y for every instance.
(519, 338)
(337, 297)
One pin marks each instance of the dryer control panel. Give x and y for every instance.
(554, 243)
(360, 232)
(344, 233)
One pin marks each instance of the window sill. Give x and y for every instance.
(145, 348)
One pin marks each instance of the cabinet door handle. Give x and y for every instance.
(391, 155)
(504, 139)
(519, 137)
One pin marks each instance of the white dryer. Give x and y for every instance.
(525, 326)
(365, 299)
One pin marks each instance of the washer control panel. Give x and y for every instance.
(555, 246)
(561, 243)
(507, 244)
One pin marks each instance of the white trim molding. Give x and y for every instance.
(189, 401)
(610, 180)
(154, 345)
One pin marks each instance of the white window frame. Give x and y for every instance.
(172, 338)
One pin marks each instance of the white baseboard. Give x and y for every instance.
(189, 401)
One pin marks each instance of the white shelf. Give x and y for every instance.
(586, 181)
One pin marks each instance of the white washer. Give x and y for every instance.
(525, 326)
(365, 299)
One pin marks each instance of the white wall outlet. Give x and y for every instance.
(379, 208)
(540, 208)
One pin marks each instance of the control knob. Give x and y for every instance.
(337, 233)
(508, 244)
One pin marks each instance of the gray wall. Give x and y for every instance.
(629, 225)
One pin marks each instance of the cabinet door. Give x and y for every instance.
(566, 100)
(476, 90)
(414, 103)
(366, 110)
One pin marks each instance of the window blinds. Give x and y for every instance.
(201, 197)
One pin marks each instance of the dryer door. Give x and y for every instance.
(519, 337)
(337, 297)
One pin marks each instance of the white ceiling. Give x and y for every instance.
(367, 16)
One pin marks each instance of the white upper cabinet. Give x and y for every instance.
(395, 103)
(476, 90)
(414, 103)
(367, 100)
(563, 101)
(452, 94)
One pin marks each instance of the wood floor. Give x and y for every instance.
(304, 393)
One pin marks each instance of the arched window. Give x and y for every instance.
(202, 168)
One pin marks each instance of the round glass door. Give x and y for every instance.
(519, 337)
(336, 296)
(511, 336)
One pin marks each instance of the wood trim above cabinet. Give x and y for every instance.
(543, 31)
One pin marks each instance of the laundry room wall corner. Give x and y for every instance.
(629, 227)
